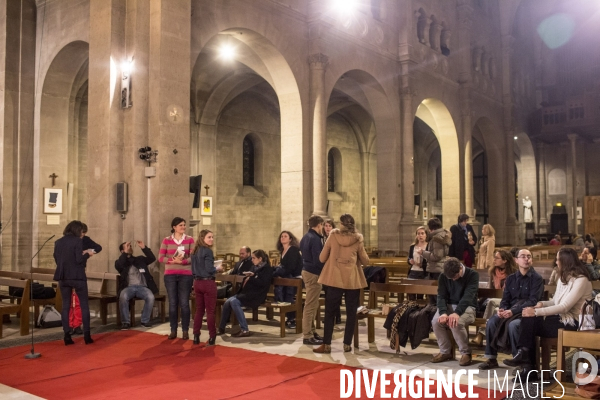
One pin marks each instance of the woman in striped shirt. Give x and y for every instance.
(175, 254)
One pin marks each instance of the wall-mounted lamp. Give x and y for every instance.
(126, 70)
(148, 155)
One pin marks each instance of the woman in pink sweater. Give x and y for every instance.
(175, 254)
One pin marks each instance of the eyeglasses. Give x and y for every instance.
(525, 257)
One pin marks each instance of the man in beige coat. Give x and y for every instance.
(344, 255)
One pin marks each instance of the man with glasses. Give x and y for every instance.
(523, 289)
(245, 263)
(456, 301)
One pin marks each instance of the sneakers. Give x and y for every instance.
(125, 326)
(465, 360)
(242, 334)
(146, 324)
(290, 324)
(313, 341)
(441, 357)
(490, 363)
(323, 349)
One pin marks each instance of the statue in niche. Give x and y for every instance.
(477, 58)
(528, 210)
(445, 39)
(435, 30)
(421, 25)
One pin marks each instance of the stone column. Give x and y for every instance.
(543, 215)
(318, 63)
(511, 220)
(105, 126)
(573, 139)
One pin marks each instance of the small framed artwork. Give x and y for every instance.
(207, 205)
(53, 201)
(373, 212)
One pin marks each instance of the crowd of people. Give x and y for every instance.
(332, 259)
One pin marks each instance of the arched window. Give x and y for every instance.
(248, 155)
(330, 172)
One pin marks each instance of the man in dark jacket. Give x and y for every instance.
(522, 289)
(463, 241)
(135, 281)
(456, 302)
(311, 246)
(252, 294)
(245, 263)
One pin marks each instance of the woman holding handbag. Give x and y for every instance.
(344, 255)
(205, 287)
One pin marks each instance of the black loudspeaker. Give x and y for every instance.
(559, 223)
(195, 187)
(122, 197)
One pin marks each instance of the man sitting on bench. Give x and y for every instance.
(135, 282)
(457, 296)
(522, 289)
(245, 263)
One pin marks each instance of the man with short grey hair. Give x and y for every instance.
(456, 301)
(245, 263)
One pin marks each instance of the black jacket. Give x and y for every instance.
(242, 266)
(460, 242)
(311, 246)
(88, 244)
(255, 288)
(141, 262)
(70, 260)
(203, 263)
(291, 264)
(522, 291)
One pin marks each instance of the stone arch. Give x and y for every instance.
(358, 98)
(58, 108)
(436, 115)
(257, 69)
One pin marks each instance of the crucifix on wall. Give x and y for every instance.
(53, 176)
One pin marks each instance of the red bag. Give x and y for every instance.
(75, 312)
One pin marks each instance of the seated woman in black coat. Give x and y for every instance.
(70, 260)
(252, 293)
(290, 267)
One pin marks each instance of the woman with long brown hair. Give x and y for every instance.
(290, 266)
(344, 255)
(562, 312)
(418, 264)
(205, 287)
(504, 266)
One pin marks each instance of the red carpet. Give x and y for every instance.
(131, 364)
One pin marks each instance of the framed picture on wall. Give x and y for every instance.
(206, 205)
(53, 201)
(373, 212)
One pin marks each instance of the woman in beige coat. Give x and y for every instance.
(485, 258)
(344, 255)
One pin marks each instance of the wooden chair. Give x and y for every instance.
(297, 306)
(588, 340)
(22, 306)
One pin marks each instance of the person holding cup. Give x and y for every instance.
(175, 254)
(205, 287)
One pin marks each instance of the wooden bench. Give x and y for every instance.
(297, 306)
(22, 307)
(588, 340)
(46, 276)
(485, 293)
(98, 290)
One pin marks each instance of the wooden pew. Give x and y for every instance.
(46, 277)
(22, 307)
(98, 290)
(297, 306)
(236, 283)
(587, 340)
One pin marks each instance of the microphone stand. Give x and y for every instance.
(33, 354)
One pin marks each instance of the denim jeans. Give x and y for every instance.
(66, 289)
(514, 331)
(179, 288)
(233, 303)
(140, 292)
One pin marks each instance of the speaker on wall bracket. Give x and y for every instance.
(122, 197)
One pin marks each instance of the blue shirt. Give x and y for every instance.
(522, 291)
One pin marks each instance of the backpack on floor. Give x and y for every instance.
(49, 318)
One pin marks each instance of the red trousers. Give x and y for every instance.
(75, 312)
(206, 299)
(467, 259)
